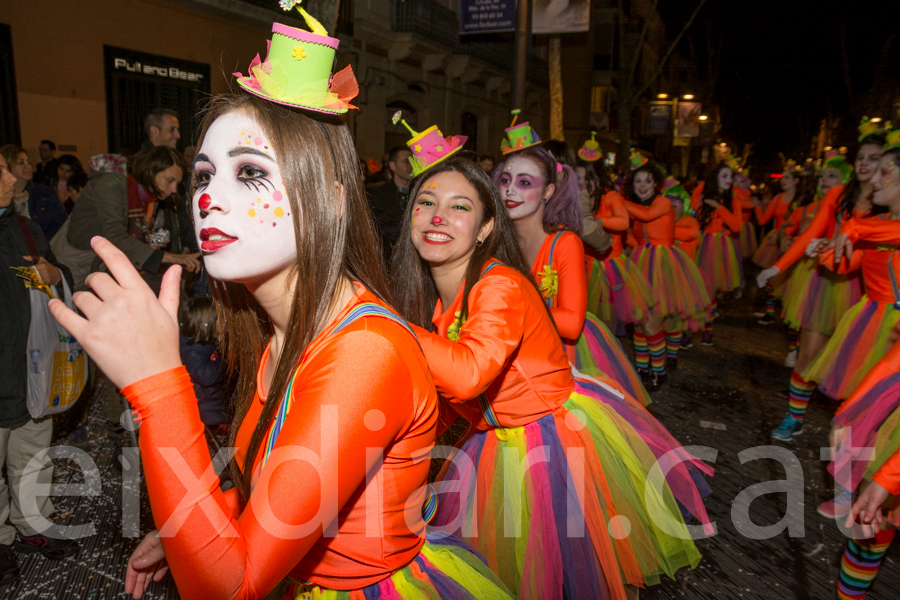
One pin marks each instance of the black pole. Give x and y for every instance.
(521, 57)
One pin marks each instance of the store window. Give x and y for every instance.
(9, 100)
(137, 82)
(469, 128)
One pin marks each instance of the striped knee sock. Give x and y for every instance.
(641, 352)
(800, 392)
(673, 343)
(793, 340)
(770, 301)
(860, 564)
(714, 310)
(657, 345)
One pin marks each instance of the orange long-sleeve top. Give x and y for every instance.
(742, 202)
(722, 218)
(344, 411)
(654, 224)
(507, 349)
(800, 219)
(777, 209)
(822, 225)
(888, 476)
(874, 253)
(615, 221)
(568, 303)
(687, 234)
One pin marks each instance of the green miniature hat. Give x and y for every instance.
(298, 69)
(519, 137)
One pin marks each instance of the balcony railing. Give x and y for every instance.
(437, 22)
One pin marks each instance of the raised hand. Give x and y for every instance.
(130, 332)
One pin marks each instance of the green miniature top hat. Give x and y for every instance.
(637, 160)
(519, 137)
(590, 151)
(429, 147)
(297, 70)
(869, 127)
(833, 160)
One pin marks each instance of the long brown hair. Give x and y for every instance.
(335, 238)
(412, 283)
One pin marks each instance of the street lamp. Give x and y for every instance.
(703, 117)
(875, 119)
(688, 96)
(662, 96)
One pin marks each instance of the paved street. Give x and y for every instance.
(725, 397)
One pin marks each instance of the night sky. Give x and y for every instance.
(781, 67)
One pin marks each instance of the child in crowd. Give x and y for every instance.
(74, 185)
(202, 359)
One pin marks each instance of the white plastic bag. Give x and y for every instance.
(57, 365)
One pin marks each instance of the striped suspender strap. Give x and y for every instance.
(364, 309)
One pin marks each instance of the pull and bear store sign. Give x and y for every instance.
(160, 71)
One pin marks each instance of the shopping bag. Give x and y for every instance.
(57, 364)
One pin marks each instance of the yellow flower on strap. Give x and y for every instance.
(453, 330)
(299, 53)
(549, 282)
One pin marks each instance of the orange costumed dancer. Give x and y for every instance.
(499, 362)
(329, 467)
(675, 283)
(541, 196)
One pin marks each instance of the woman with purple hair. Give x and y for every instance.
(541, 196)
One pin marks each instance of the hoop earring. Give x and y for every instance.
(479, 242)
(544, 200)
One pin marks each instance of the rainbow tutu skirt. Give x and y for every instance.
(768, 253)
(617, 291)
(676, 285)
(816, 298)
(748, 241)
(560, 507)
(859, 341)
(720, 263)
(598, 353)
(873, 420)
(446, 568)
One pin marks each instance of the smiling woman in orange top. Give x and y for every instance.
(541, 196)
(618, 293)
(459, 277)
(676, 284)
(335, 406)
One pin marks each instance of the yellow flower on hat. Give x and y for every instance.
(549, 282)
(299, 53)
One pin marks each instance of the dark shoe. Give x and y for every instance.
(671, 364)
(50, 547)
(9, 568)
(766, 320)
(687, 342)
(657, 380)
(707, 338)
(646, 378)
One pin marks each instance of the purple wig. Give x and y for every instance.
(562, 211)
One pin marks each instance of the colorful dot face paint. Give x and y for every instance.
(239, 202)
(522, 188)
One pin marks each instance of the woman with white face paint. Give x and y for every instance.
(498, 361)
(826, 295)
(541, 196)
(676, 284)
(335, 407)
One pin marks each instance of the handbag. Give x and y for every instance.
(57, 364)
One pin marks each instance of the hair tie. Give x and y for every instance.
(559, 167)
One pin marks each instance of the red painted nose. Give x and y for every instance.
(204, 202)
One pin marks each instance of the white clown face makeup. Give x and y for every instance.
(726, 179)
(644, 185)
(522, 188)
(242, 216)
